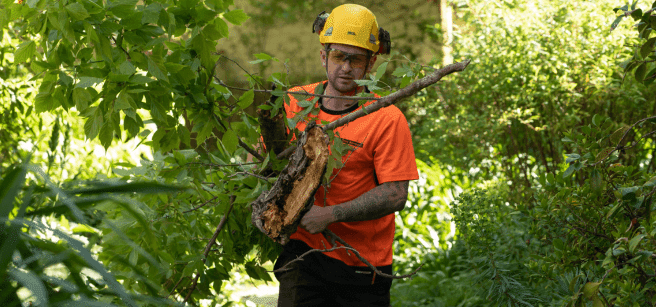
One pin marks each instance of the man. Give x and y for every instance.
(364, 195)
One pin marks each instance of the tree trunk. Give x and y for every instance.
(446, 22)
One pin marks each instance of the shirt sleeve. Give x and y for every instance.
(394, 156)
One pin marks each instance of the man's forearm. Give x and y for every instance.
(380, 201)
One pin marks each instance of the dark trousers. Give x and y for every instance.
(319, 280)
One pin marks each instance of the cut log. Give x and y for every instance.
(278, 212)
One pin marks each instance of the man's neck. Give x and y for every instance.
(337, 104)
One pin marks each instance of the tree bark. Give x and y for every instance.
(278, 212)
(446, 23)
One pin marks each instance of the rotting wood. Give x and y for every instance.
(278, 212)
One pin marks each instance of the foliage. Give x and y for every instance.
(46, 263)
(495, 237)
(424, 234)
(642, 60)
(546, 221)
(596, 215)
(147, 71)
(110, 60)
(127, 64)
(538, 70)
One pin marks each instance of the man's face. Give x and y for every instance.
(344, 65)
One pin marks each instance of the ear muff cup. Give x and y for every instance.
(319, 22)
(385, 41)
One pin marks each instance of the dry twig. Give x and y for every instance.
(208, 247)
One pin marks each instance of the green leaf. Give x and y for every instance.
(617, 135)
(603, 153)
(216, 285)
(81, 228)
(106, 134)
(590, 289)
(596, 182)
(122, 101)
(634, 242)
(126, 68)
(616, 22)
(246, 99)
(629, 193)
(93, 124)
(597, 302)
(24, 52)
(571, 157)
(596, 119)
(81, 98)
(557, 243)
(612, 211)
(33, 283)
(381, 70)
(236, 17)
(647, 48)
(140, 79)
(651, 182)
(77, 11)
(151, 13)
(570, 170)
(222, 26)
(88, 82)
(157, 70)
(131, 187)
(263, 56)
(400, 72)
(573, 282)
(230, 141)
(640, 72)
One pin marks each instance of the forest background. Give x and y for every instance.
(123, 143)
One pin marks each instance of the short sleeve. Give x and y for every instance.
(394, 156)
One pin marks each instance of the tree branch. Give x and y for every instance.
(332, 237)
(208, 247)
(222, 165)
(390, 99)
(241, 143)
(298, 93)
(176, 285)
(618, 146)
(405, 92)
(249, 174)
(201, 205)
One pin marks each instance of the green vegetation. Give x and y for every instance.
(536, 163)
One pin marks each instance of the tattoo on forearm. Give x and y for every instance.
(382, 200)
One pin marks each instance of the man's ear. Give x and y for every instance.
(323, 57)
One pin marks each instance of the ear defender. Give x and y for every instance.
(318, 24)
(385, 42)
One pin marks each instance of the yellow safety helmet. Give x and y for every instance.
(354, 25)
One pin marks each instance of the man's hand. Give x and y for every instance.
(317, 219)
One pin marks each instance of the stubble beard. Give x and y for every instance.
(343, 88)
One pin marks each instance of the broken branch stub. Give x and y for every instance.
(278, 212)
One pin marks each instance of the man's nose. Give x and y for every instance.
(346, 67)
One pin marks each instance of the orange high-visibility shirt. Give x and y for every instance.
(382, 152)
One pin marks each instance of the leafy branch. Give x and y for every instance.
(208, 247)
